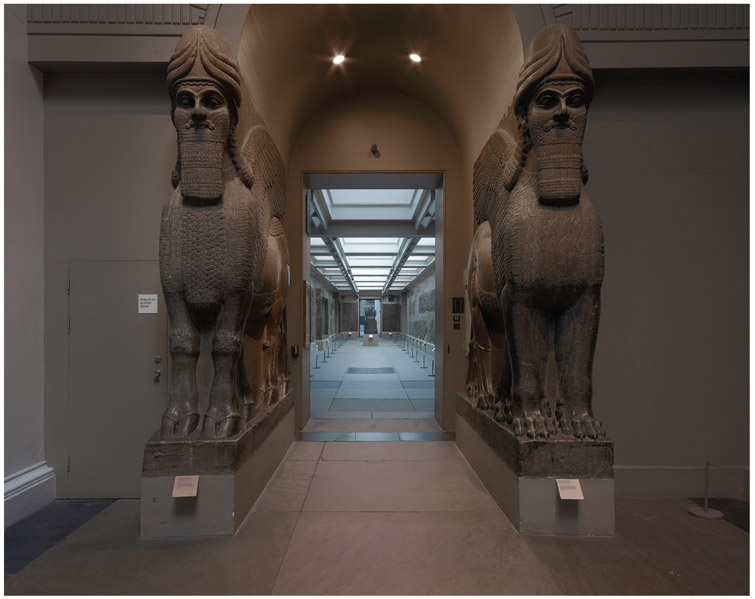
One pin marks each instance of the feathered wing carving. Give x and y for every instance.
(267, 167)
(496, 171)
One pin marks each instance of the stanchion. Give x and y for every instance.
(432, 372)
(423, 360)
(416, 356)
(705, 512)
(316, 366)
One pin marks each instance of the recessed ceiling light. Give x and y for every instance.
(415, 57)
(338, 59)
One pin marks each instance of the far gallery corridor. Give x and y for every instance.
(386, 380)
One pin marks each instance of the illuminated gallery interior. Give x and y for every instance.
(321, 368)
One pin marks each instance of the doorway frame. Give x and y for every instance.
(304, 363)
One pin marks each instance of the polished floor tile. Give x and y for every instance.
(371, 392)
(288, 487)
(373, 424)
(443, 485)
(420, 553)
(406, 414)
(305, 451)
(396, 450)
(373, 405)
(376, 436)
(107, 557)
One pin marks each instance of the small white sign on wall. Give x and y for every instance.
(147, 303)
(185, 486)
(569, 488)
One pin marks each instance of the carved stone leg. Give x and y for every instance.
(182, 415)
(271, 353)
(527, 339)
(576, 335)
(222, 418)
(246, 392)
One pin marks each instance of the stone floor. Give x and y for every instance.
(380, 382)
(401, 517)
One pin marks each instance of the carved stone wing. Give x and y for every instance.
(495, 173)
(267, 168)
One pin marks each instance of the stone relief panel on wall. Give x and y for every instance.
(536, 263)
(350, 316)
(223, 252)
(391, 317)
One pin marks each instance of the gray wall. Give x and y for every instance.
(669, 174)
(24, 277)
(109, 151)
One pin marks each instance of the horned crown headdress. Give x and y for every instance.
(554, 53)
(203, 56)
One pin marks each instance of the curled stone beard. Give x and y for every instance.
(200, 149)
(559, 158)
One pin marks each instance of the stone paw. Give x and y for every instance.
(484, 402)
(502, 412)
(516, 424)
(565, 427)
(587, 427)
(534, 426)
(218, 426)
(176, 425)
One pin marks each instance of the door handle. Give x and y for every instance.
(156, 375)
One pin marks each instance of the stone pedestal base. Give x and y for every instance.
(521, 475)
(232, 474)
(370, 339)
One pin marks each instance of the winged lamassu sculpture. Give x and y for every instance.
(223, 252)
(536, 263)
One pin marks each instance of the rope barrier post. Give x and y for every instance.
(316, 366)
(705, 512)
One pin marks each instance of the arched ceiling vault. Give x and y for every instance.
(471, 56)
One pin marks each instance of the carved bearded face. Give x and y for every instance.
(203, 122)
(556, 120)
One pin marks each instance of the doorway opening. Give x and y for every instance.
(372, 288)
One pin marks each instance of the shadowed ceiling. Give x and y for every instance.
(471, 55)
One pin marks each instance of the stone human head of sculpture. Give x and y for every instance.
(204, 85)
(555, 89)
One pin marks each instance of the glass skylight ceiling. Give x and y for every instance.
(340, 222)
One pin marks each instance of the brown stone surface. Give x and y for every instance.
(391, 317)
(559, 456)
(195, 455)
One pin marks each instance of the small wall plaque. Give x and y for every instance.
(147, 303)
(569, 488)
(185, 486)
(457, 305)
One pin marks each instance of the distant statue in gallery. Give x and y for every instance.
(223, 252)
(370, 320)
(536, 262)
